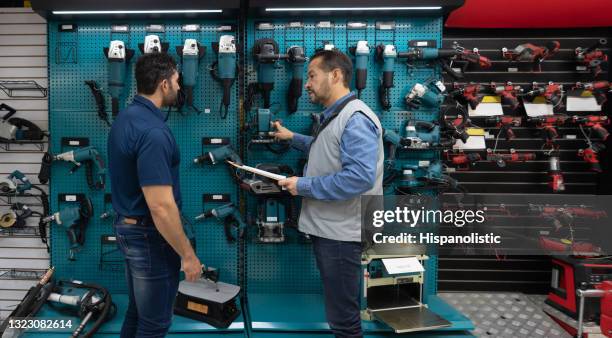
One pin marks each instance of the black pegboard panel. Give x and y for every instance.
(498, 273)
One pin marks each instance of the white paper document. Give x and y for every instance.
(396, 266)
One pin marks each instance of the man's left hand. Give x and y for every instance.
(290, 184)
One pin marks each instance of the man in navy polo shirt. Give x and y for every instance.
(144, 169)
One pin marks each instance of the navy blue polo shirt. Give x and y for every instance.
(141, 151)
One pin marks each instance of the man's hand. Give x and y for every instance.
(290, 184)
(192, 268)
(282, 133)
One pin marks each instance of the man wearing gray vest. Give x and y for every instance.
(345, 161)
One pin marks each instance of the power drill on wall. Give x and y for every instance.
(218, 155)
(229, 215)
(224, 69)
(118, 58)
(191, 53)
(74, 218)
(428, 95)
(552, 92)
(88, 155)
(598, 89)
(468, 94)
(508, 92)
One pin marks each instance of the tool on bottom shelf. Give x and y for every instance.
(396, 297)
(208, 300)
(29, 306)
(86, 301)
(74, 218)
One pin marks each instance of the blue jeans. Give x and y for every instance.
(152, 272)
(339, 264)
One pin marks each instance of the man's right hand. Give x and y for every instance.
(192, 268)
(282, 133)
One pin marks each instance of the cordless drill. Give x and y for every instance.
(597, 89)
(592, 57)
(362, 56)
(508, 92)
(467, 94)
(462, 160)
(505, 123)
(118, 58)
(73, 218)
(430, 94)
(552, 92)
(225, 70)
(512, 156)
(590, 156)
(191, 53)
(91, 157)
(296, 58)
(219, 154)
(596, 123)
(548, 125)
(229, 215)
(265, 52)
(387, 54)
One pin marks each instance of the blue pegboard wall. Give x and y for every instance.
(78, 56)
(290, 267)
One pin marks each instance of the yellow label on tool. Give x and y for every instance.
(566, 241)
(491, 99)
(475, 131)
(197, 307)
(539, 99)
(586, 93)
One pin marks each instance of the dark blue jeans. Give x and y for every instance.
(152, 272)
(339, 264)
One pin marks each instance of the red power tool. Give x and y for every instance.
(508, 92)
(513, 156)
(552, 92)
(505, 123)
(531, 52)
(596, 123)
(598, 89)
(589, 155)
(462, 160)
(467, 94)
(555, 176)
(592, 57)
(548, 125)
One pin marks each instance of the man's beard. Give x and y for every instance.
(170, 99)
(322, 95)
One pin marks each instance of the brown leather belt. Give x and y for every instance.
(137, 220)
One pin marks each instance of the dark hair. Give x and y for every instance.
(332, 59)
(151, 69)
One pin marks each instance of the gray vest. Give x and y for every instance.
(337, 220)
